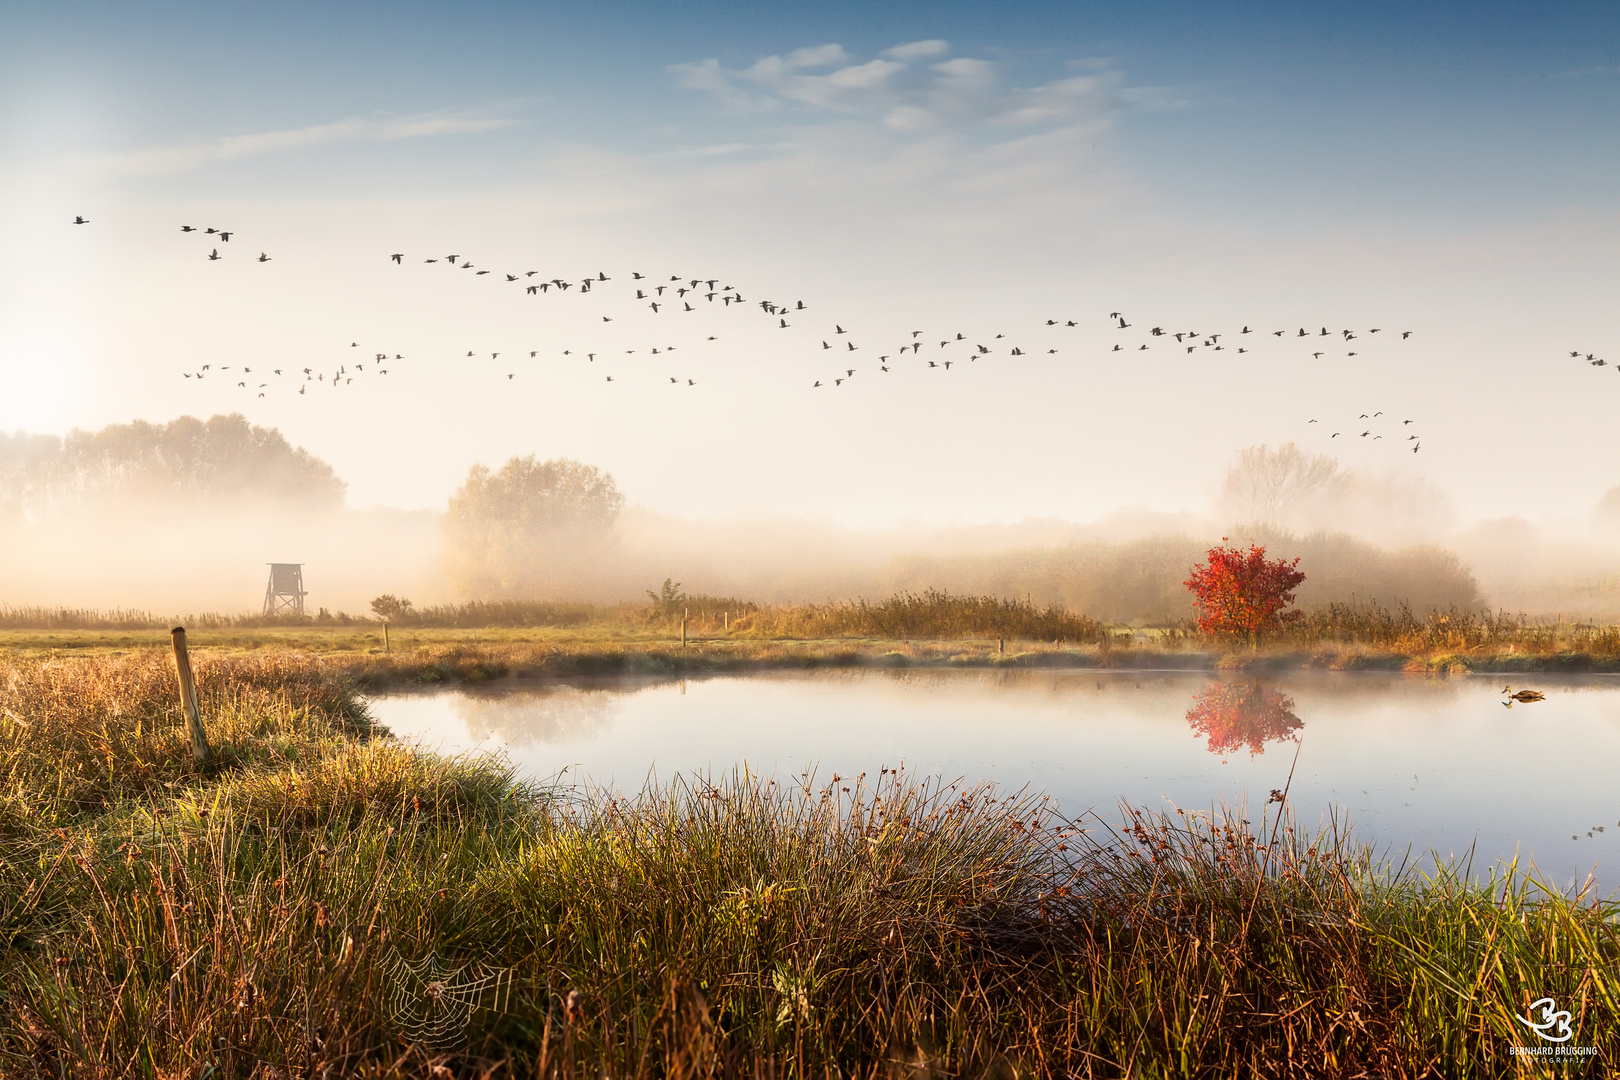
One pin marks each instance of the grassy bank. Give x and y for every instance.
(434, 656)
(327, 902)
(478, 641)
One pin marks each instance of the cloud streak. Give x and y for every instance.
(189, 157)
(912, 87)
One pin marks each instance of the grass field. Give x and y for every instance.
(432, 655)
(323, 901)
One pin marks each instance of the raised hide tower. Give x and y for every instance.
(284, 595)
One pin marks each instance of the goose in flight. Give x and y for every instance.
(398, 257)
(79, 219)
(213, 255)
(263, 257)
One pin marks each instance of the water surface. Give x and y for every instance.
(1414, 762)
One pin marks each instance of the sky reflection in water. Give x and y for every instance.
(1411, 761)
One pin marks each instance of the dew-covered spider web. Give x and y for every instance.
(432, 1002)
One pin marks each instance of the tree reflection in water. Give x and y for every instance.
(1241, 713)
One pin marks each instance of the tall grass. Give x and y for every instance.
(310, 907)
(929, 614)
(65, 618)
(1403, 630)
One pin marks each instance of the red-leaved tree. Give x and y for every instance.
(1242, 593)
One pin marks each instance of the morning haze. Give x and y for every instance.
(182, 517)
(787, 540)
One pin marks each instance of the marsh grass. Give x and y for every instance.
(263, 918)
(477, 641)
(1451, 632)
(930, 614)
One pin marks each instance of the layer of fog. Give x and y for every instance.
(1388, 537)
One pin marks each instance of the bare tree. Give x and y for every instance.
(1266, 486)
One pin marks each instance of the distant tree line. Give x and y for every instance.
(223, 460)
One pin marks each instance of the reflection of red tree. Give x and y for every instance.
(1242, 713)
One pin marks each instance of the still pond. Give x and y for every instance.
(1415, 764)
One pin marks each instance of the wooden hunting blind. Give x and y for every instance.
(284, 595)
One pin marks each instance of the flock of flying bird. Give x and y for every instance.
(680, 296)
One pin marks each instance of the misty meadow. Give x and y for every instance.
(543, 877)
(660, 541)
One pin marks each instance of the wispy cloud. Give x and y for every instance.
(188, 157)
(912, 87)
(1586, 72)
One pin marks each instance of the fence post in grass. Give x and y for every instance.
(385, 637)
(683, 631)
(188, 697)
(1001, 645)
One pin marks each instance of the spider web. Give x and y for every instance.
(432, 1002)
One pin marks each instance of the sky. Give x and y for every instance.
(1444, 169)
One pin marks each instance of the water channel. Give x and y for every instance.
(1419, 764)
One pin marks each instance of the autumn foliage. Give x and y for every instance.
(1233, 715)
(1242, 593)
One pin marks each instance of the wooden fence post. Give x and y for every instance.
(385, 637)
(188, 698)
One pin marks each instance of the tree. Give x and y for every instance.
(221, 461)
(530, 528)
(1265, 486)
(669, 600)
(390, 607)
(1243, 593)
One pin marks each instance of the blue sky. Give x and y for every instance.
(976, 168)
